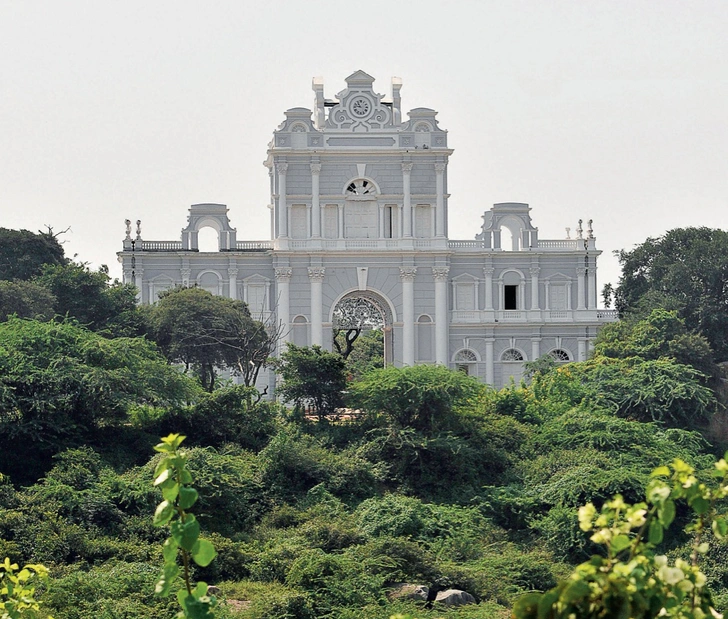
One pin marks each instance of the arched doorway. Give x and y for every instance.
(359, 312)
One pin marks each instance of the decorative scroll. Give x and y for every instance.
(358, 313)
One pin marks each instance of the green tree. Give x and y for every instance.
(367, 354)
(661, 334)
(208, 333)
(312, 377)
(23, 253)
(59, 381)
(26, 300)
(424, 397)
(90, 298)
(686, 269)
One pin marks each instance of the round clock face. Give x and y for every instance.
(360, 107)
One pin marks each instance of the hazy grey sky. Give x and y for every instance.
(616, 110)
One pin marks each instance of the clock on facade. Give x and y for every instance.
(360, 107)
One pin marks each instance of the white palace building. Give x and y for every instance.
(359, 234)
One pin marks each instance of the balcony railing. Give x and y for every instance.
(161, 246)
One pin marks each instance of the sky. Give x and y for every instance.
(615, 111)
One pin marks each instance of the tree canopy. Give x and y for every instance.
(312, 377)
(686, 269)
(207, 333)
(23, 253)
(59, 381)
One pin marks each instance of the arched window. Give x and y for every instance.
(465, 361)
(512, 355)
(210, 281)
(425, 333)
(361, 187)
(300, 330)
(560, 356)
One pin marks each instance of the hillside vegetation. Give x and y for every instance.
(439, 480)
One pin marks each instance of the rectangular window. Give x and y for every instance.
(256, 299)
(331, 222)
(423, 221)
(299, 221)
(464, 296)
(557, 297)
(510, 297)
(389, 215)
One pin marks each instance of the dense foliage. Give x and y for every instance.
(686, 269)
(208, 333)
(427, 477)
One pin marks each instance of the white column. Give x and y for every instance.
(341, 221)
(534, 287)
(283, 309)
(316, 278)
(381, 221)
(580, 272)
(535, 348)
(489, 374)
(440, 204)
(315, 201)
(441, 318)
(581, 349)
(592, 284)
(407, 274)
(522, 295)
(488, 287)
(546, 292)
(139, 282)
(185, 273)
(282, 168)
(407, 201)
(233, 283)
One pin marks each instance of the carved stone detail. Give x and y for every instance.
(315, 168)
(283, 274)
(440, 273)
(316, 273)
(440, 167)
(407, 167)
(407, 274)
(282, 168)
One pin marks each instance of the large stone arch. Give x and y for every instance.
(366, 309)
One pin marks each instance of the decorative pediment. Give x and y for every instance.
(359, 108)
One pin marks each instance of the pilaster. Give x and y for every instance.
(407, 275)
(440, 274)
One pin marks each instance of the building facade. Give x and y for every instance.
(359, 236)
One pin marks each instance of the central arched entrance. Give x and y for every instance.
(356, 313)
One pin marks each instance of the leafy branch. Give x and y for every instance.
(174, 480)
(632, 580)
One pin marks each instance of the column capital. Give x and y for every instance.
(407, 167)
(282, 168)
(283, 274)
(315, 168)
(440, 167)
(581, 271)
(316, 273)
(488, 271)
(232, 272)
(534, 271)
(407, 274)
(439, 274)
